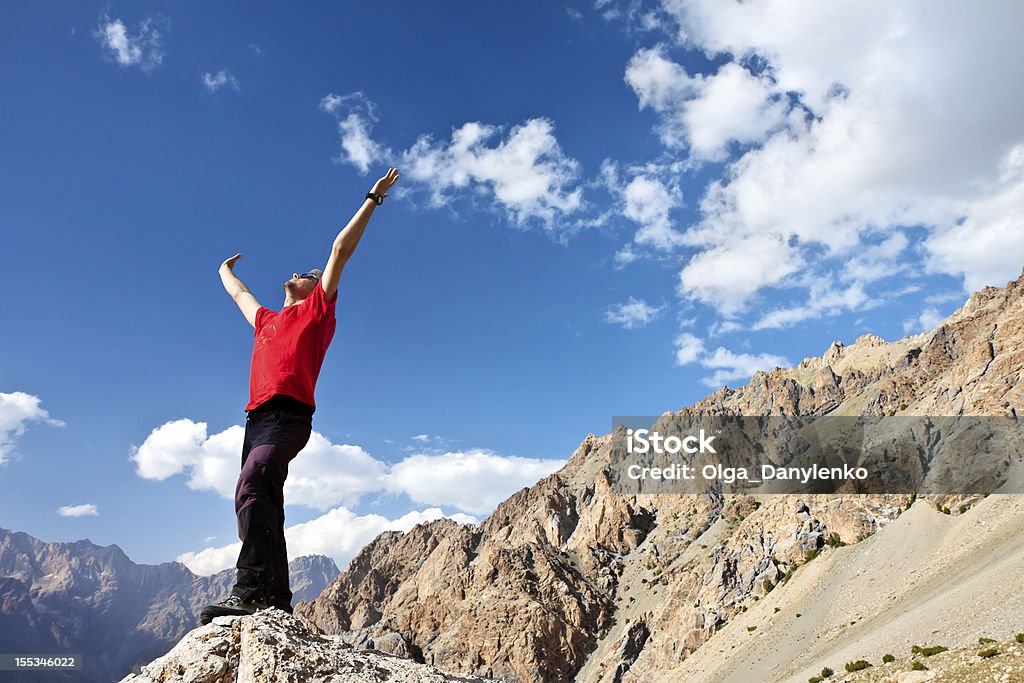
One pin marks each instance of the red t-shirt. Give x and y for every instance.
(289, 348)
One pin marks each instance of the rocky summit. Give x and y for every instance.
(272, 645)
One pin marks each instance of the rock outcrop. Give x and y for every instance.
(274, 646)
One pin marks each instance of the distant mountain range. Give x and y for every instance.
(83, 598)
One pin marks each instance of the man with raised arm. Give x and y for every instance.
(288, 352)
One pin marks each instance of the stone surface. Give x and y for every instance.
(274, 646)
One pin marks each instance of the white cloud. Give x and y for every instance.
(898, 116)
(625, 256)
(212, 560)
(169, 449)
(926, 321)
(324, 475)
(877, 261)
(646, 198)
(658, 82)
(524, 173)
(339, 534)
(727, 274)
(731, 367)
(17, 410)
(728, 366)
(824, 300)
(705, 113)
(87, 509)
(632, 314)
(986, 247)
(733, 105)
(221, 79)
(474, 481)
(648, 202)
(689, 348)
(143, 48)
(356, 115)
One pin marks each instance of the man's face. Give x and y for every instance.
(300, 287)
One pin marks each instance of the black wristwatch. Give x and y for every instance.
(379, 198)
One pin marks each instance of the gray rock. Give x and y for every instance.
(274, 646)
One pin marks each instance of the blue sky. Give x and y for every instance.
(604, 209)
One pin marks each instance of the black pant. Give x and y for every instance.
(275, 432)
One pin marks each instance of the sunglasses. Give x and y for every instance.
(309, 276)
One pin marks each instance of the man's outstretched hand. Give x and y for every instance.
(230, 263)
(382, 186)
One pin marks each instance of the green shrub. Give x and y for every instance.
(945, 511)
(990, 652)
(1019, 637)
(811, 554)
(833, 541)
(815, 679)
(827, 672)
(963, 509)
(918, 666)
(751, 628)
(985, 641)
(858, 665)
(928, 651)
(768, 585)
(888, 658)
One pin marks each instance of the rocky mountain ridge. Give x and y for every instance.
(570, 580)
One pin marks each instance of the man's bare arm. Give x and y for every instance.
(345, 243)
(239, 292)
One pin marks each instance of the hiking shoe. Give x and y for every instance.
(232, 606)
